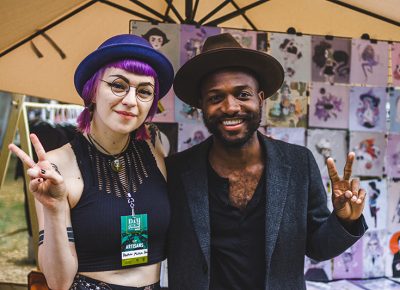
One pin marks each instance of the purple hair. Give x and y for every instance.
(90, 89)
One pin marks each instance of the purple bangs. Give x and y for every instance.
(90, 89)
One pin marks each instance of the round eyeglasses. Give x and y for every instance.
(121, 88)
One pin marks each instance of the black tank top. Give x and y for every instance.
(96, 217)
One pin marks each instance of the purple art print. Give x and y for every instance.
(190, 135)
(393, 223)
(327, 143)
(375, 212)
(287, 107)
(191, 42)
(349, 264)
(293, 52)
(163, 37)
(247, 39)
(329, 106)
(369, 62)
(393, 156)
(317, 271)
(330, 60)
(289, 135)
(367, 109)
(370, 150)
(374, 242)
(396, 64)
(395, 111)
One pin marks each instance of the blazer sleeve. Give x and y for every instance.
(326, 236)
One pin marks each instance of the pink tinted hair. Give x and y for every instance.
(90, 89)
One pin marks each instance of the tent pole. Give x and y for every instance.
(15, 115)
(366, 12)
(48, 27)
(231, 15)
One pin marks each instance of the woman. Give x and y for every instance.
(102, 204)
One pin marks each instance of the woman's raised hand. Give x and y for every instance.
(46, 184)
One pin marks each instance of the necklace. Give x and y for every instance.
(116, 164)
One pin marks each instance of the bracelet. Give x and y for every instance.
(70, 234)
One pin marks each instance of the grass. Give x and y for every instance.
(14, 262)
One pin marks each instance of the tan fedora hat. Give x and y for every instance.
(223, 51)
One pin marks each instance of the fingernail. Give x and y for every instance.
(43, 171)
(348, 194)
(40, 180)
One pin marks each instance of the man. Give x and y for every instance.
(245, 209)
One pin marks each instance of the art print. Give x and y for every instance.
(247, 39)
(294, 53)
(327, 143)
(374, 242)
(350, 263)
(369, 62)
(289, 135)
(393, 222)
(370, 149)
(367, 109)
(191, 43)
(190, 135)
(164, 37)
(375, 211)
(395, 111)
(331, 60)
(317, 271)
(329, 106)
(393, 156)
(287, 107)
(396, 64)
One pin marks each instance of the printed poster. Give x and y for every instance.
(164, 37)
(367, 109)
(329, 106)
(287, 107)
(375, 211)
(393, 156)
(396, 64)
(370, 151)
(294, 53)
(395, 111)
(331, 59)
(374, 242)
(289, 135)
(328, 143)
(191, 42)
(369, 62)
(393, 222)
(350, 263)
(190, 135)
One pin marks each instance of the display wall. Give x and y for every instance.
(339, 95)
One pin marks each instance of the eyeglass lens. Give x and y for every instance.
(144, 92)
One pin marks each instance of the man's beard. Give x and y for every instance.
(252, 119)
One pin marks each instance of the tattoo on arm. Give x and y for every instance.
(70, 234)
(55, 168)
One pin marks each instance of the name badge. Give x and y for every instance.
(134, 239)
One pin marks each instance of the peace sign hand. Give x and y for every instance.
(347, 197)
(47, 184)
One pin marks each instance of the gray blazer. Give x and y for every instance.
(298, 221)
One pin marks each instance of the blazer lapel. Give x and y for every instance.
(196, 187)
(277, 176)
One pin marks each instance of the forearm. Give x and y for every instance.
(57, 255)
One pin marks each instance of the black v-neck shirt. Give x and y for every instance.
(237, 237)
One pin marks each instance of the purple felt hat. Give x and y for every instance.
(125, 46)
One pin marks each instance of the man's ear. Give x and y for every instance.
(261, 95)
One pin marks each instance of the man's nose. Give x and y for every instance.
(230, 105)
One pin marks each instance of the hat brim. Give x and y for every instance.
(268, 70)
(100, 57)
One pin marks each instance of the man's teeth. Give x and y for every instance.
(232, 122)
